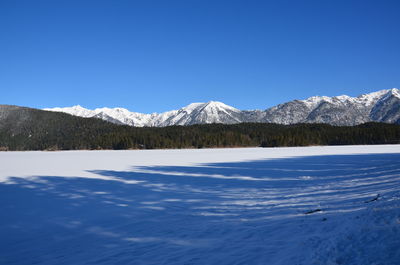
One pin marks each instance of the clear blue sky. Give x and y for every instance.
(153, 56)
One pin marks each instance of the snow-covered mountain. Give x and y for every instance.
(381, 106)
(340, 110)
(199, 113)
(195, 113)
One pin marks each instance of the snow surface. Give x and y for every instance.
(309, 205)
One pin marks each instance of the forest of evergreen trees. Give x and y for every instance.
(30, 129)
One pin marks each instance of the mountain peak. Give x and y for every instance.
(311, 102)
(215, 103)
(221, 105)
(107, 110)
(395, 92)
(371, 98)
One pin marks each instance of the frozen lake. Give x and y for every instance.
(304, 205)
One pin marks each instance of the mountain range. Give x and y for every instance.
(379, 106)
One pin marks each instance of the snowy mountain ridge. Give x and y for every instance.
(380, 106)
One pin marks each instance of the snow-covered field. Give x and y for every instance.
(311, 205)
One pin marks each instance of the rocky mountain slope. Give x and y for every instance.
(380, 106)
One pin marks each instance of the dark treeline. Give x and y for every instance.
(30, 129)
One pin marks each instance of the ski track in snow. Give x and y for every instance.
(308, 205)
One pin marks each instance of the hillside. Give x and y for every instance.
(31, 129)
